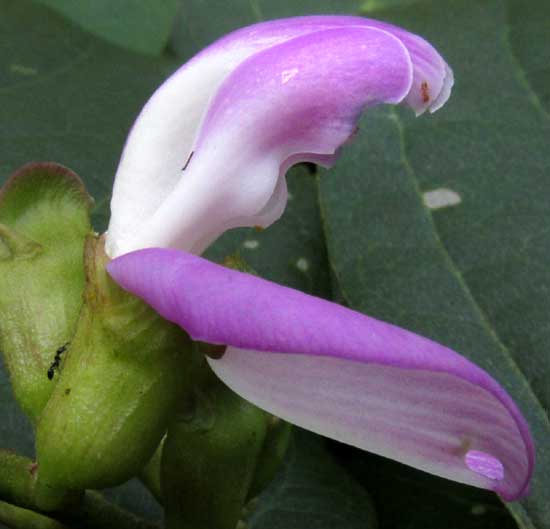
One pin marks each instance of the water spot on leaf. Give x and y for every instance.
(441, 198)
(251, 244)
(23, 70)
(302, 264)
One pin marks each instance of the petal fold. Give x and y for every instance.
(340, 373)
(195, 111)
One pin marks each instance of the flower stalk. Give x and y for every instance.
(210, 458)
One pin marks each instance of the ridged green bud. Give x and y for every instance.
(44, 219)
(124, 372)
(209, 459)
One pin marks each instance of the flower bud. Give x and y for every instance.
(44, 219)
(123, 373)
(209, 459)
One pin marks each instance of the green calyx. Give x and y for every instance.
(118, 384)
(44, 219)
(209, 459)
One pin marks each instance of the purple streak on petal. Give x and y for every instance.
(341, 373)
(429, 420)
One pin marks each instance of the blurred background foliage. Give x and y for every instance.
(475, 276)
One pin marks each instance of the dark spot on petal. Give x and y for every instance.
(68, 391)
(188, 160)
(425, 91)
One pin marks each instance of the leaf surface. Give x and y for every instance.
(139, 25)
(312, 490)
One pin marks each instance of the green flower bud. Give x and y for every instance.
(209, 459)
(119, 382)
(44, 219)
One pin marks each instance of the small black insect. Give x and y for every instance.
(57, 360)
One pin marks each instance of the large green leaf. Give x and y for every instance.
(529, 34)
(139, 25)
(475, 275)
(312, 491)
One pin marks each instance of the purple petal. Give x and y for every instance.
(150, 186)
(299, 99)
(340, 373)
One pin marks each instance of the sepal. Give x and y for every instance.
(119, 381)
(44, 219)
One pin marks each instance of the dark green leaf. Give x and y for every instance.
(372, 6)
(407, 498)
(529, 34)
(312, 491)
(67, 96)
(474, 276)
(139, 25)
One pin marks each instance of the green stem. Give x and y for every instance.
(101, 513)
(91, 510)
(18, 485)
(20, 518)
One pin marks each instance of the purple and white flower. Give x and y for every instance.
(210, 149)
(208, 153)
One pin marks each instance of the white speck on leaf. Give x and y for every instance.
(23, 70)
(441, 198)
(251, 244)
(302, 264)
